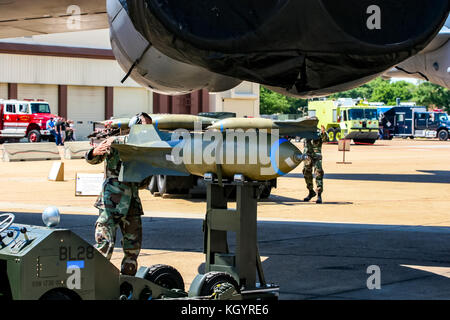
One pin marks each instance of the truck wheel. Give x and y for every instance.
(331, 135)
(165, 276)
(443, 135)
(364, 141)
(34, 136)
(338, 134)
(214, 279)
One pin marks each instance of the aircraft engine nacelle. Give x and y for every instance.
(151, 68)
(298, 47)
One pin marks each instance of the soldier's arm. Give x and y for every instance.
(91, 159)
(98, 154)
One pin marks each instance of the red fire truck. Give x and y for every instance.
(24, 119)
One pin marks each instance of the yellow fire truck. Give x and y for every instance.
(343, 118)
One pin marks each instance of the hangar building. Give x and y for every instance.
(80, 78)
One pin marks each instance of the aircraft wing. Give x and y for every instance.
(442, 38)
(431, 64)
(19, 18)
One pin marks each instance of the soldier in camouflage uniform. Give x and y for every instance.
(313, 149)
(119, 205)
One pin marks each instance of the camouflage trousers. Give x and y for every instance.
(105, 238)
(315, 164)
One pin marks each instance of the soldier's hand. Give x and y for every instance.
(103, 147)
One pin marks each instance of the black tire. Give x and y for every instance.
(174, 184)
(364, 141)
(153, 185)
(162, 184)
(56, 295)
(337, 134)
(34, 136)
(165, 276)
(166, 184)
(265, 194)
(443, 135)
(332, 134)
(214, 278)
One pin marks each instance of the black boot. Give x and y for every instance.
(311, 195)
(319, 198)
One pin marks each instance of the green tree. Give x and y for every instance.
(432, 95)
(364, 91)
(378, 90)
(388, 92)
(272, 102)
(297, 105)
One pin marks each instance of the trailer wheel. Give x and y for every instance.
(60, 294)
(214, 279)
(174, 184)
(153, 185)
(167, 184)
(443, 135)
(34, 136)
(165, 276)
(162, 184)
(265, 193)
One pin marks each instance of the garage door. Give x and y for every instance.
(130, 101)
(242, 107)
(3, 91)
(48, 93)
(84, 106)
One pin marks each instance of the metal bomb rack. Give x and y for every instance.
(245, 263)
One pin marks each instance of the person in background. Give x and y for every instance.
(50, 126)
(63, 131)
(58, 123)
(313, 148)
(69, 130)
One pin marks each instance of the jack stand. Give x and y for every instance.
(245, 263)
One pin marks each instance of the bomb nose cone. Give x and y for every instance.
(288, 158)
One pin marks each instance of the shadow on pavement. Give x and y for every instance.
(429, 177)
(316, 260)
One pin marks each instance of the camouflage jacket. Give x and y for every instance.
(116, 196)
(314, 147)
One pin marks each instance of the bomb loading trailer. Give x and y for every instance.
(44, 263)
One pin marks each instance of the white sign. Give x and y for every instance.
(88, 184)
(57, 172)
